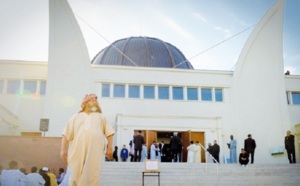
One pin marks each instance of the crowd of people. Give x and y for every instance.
(138, 151)
(15, 176)
(160, 152)
(87, 151)
(246, 152)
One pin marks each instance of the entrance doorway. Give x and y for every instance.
(192, 136)
(186, 137)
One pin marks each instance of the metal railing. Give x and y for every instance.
(215, 162)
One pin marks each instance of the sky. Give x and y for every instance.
(210, 33)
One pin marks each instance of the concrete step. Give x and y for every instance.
(189, 174)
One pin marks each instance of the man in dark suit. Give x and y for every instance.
(289, 142)
(215, 152)
(176, 147)
(43, 173)
(138, 141)
(163, 151)
(250, 146)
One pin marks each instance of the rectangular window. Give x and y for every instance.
(149, 92)
(163, 92)
(13, 86)
(1, 86)
(43, 88)
(119, 91)
(296, 98)
(105, 92)
(192, 93)
(134, 91)
(219, 95)
(177, 93)
(30, 87)
(206, 94)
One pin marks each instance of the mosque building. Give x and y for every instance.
(147, 84)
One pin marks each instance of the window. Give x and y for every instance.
(30, 87)
(219, 95)
(119, 91)
(296, 98)
(192, 93)
(288, 98)
(43, 88)
(206, 94)
(105, 90)
(13, 86)
(134, 91)
(1, 86)
(163, 92)
(177, 93)
(149, 92)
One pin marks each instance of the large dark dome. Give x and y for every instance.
(143, 52)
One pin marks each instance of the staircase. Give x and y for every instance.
(201, 174)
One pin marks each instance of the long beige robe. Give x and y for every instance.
(198, 154)
(86, 136)
(191, 153)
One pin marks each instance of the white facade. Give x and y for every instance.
(254, 94)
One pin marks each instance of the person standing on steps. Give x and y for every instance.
(289, 142)
(232, 148)
(250, 146)
(138, 141)
(216, 151)
(176, 147)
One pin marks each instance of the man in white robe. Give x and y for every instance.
(34, 178)
(13, 176)
(153, 151)
(191, 152)
(83, 143)
(144, 153)
(65, 181)
(232, 147)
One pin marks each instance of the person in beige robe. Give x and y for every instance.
(83, 143)
(191, 152)
(198, 153)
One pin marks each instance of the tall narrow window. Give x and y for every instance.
(30, 87)
(206, 94)
(105, 92)
(119, 91)
(134, 91)
(13, 86)
(296, 98)
(163, 92)
(192, 93)
(219, 95)
(43, 88)
(149, 92)
(177, 93)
